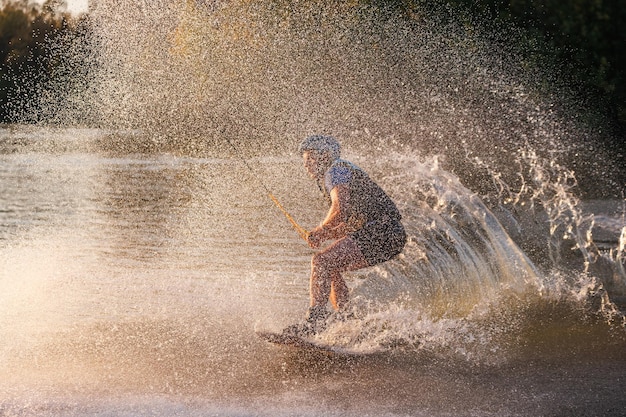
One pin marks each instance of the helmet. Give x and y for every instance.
(321, 143)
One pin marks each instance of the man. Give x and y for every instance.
(362, 219)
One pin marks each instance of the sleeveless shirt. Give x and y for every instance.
(368, 202)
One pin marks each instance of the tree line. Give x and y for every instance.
(28, 61)
(586, 39)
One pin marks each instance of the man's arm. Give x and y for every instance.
(333, 225)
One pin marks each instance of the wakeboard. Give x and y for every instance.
(297, 342)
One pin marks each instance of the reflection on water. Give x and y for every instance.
(112, 236)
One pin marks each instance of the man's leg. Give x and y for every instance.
(338, 293)
(326, 269)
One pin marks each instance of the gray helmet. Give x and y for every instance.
(321, 143)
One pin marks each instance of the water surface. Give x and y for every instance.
(132, 284)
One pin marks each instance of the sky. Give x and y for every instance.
(77, 6)
(74, 6)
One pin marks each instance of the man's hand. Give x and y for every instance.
(316, 237)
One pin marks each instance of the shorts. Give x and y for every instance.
(380, 240)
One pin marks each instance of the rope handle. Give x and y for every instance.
(304, 234)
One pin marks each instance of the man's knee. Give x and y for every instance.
(320, 262)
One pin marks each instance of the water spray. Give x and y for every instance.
(304, 234)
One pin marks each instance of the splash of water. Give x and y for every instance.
(458, 252)
(503, 264)
(263, 74)
(461, 266)
(419, 81)
(267, 73)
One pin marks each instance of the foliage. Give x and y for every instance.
(29, 32)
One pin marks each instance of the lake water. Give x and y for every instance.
(131, 284)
